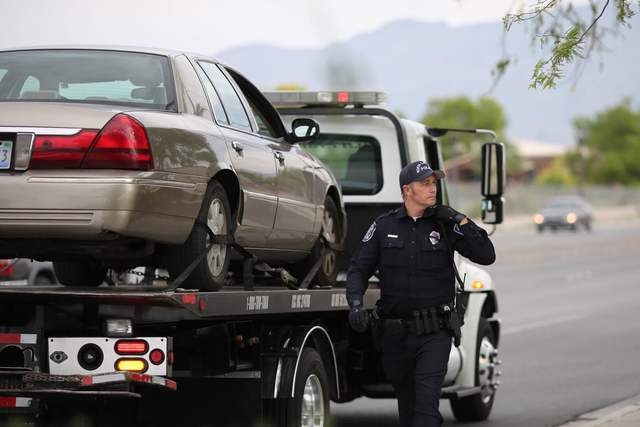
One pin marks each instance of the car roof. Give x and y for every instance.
(114, 48)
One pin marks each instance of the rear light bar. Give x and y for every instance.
(121, 144)
(131, 347)
(6, 267)
(9, 338)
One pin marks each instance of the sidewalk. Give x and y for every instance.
(621, 414)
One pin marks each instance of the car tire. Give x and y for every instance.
(331, 231)
(477, 407)
(311, 396)
(587, 225)
(79, 273)
(210, 274)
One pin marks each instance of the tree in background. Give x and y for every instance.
(565, 35)
(463, 112)
(557, 174)
(610, 151)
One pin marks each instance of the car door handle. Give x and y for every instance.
(279, 156)
(237, 146)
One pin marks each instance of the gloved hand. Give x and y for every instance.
(358, 319)
(447, 213)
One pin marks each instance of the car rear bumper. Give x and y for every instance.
(147, 205)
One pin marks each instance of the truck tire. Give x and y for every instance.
(211, 272)
(310, 404)
(78, 273)
(331, 231)
(477, 407)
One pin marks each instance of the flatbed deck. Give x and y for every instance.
(188, 304)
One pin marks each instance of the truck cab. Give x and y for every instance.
(366, 145)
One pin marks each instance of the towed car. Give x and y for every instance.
(114, 158)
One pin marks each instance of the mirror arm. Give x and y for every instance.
(438, 132)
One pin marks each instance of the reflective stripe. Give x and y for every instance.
(15, 402)
(18, 338)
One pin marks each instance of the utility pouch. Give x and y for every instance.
(435, 321)
(426, 322)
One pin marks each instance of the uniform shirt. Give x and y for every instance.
(414, 259)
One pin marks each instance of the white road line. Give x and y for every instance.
(541, 323)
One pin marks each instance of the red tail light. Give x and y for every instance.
(121, 144)
(135, 347)
(6, 268)
(61, 152)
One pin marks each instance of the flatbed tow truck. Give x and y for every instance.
(258, 353)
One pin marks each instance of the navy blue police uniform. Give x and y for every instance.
(414, 259)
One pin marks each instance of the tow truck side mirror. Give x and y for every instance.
(303, 130)
(493, 181)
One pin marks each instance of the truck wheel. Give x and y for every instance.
(78, 273)
(211, 272)
(477, 407)
(330, 232)
(310, 404)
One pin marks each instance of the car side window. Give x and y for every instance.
(267, 119)
(214, 99)
(230, 99)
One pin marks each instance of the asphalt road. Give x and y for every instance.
(570, 306)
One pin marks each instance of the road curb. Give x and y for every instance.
(621, 414)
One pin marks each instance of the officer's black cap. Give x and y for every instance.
(418, 171)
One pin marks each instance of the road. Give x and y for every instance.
(570, 306)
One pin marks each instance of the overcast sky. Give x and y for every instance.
(209, 26)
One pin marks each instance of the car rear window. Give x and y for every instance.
(355, 161)
(87, 76)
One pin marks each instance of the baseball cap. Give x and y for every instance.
(418, 171)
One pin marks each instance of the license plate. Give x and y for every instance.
(6, 147)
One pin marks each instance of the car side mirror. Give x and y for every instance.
(493, 181)
(303, 130)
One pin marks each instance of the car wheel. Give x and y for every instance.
(79, 273)
(587, 225)
(477, 407)
(331, 231)
(211, 272)
(540, 228)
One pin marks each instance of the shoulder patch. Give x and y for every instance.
(369, 233)
(456, 229)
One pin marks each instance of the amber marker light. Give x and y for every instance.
(477, 285)
(131, 365)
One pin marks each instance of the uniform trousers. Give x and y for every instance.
(416, 366)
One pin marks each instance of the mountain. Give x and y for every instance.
(415, 61)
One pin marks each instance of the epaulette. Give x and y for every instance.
(389, 213)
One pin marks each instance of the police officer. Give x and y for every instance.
(412, 249)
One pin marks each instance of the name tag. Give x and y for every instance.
(393, 236)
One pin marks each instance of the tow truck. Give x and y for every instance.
(256, 351)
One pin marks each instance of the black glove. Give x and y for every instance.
(447, 213)
(358, 319)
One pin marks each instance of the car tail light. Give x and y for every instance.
(132, 347)
(121, 144)
(131, 365)
(61, 152)
(156, 356)
(6, 267)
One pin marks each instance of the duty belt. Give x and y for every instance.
(423, 322)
